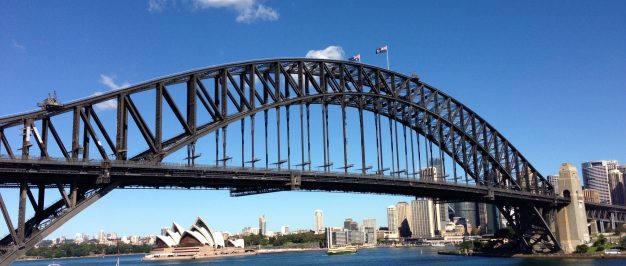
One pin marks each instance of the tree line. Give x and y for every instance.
(86, 249)
(281, 240)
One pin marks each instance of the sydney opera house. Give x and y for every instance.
(197, 242)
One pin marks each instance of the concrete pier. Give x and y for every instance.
(572, 219)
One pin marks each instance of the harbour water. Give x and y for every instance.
(375, 256)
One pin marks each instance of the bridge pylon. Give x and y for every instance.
(571, 219)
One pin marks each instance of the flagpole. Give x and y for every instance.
(387, 53)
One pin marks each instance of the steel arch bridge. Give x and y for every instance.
(95, 159)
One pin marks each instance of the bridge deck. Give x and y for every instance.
(162, 175)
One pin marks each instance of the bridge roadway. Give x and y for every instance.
(243, 181)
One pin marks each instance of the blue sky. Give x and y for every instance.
(549, 75)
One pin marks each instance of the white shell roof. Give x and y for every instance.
(237, 243)
(177, 228)
(198, 236)
(173, 235)
(167, 240)
(219, 239)
(204, 233)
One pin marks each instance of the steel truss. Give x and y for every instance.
(605, 212)
(46, 219)
(534, 227)
(236, 92)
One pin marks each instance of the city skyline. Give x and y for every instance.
(530, 57)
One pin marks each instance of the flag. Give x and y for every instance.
(381, 50)
(356, 58)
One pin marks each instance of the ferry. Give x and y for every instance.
(342, 250)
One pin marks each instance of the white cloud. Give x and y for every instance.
(19, 45)
(156, 5)
(248, 11)
(330, 52)
(109, 81)
(261, 12)
(106, 105)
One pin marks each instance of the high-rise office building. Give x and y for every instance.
(349, 224)
(423, 217)
(596, 176)
(369, 222)
(616, 187)
(404, 214)
(369, 230)
(284, 230)
(262, 225)
(319, 220)
(482, 217)
(554, 181)
(435, 174)
(392, 219)
(355, 237)
(467, 210)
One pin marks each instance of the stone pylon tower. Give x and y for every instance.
(572, 219)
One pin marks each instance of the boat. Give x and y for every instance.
(54, 264)
(341, 250)
(439, 244)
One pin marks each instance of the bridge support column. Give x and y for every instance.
(602, 229)
(613, 221)
(571, 220)
(593, 227)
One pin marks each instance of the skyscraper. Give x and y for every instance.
(435, 174)
(350, 224)
(423, 217)
(404, 213)
(319, 220)
(596, 176)
(616, 187)
(467, 210)
(392, 219)
(262, 225)
(554, 181)
(369, 230)
(369, 222)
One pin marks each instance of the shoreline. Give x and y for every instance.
(535, 256)
(570, 256)
(260, 251)
(81, 257)
(285, 250)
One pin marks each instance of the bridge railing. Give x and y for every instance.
(233, 168)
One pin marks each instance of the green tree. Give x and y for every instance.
(601, 241)
(507, 232)
(467, 245)
(478, 245)
(581, 249)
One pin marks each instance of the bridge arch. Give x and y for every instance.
(255, 86)
(232, 92)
